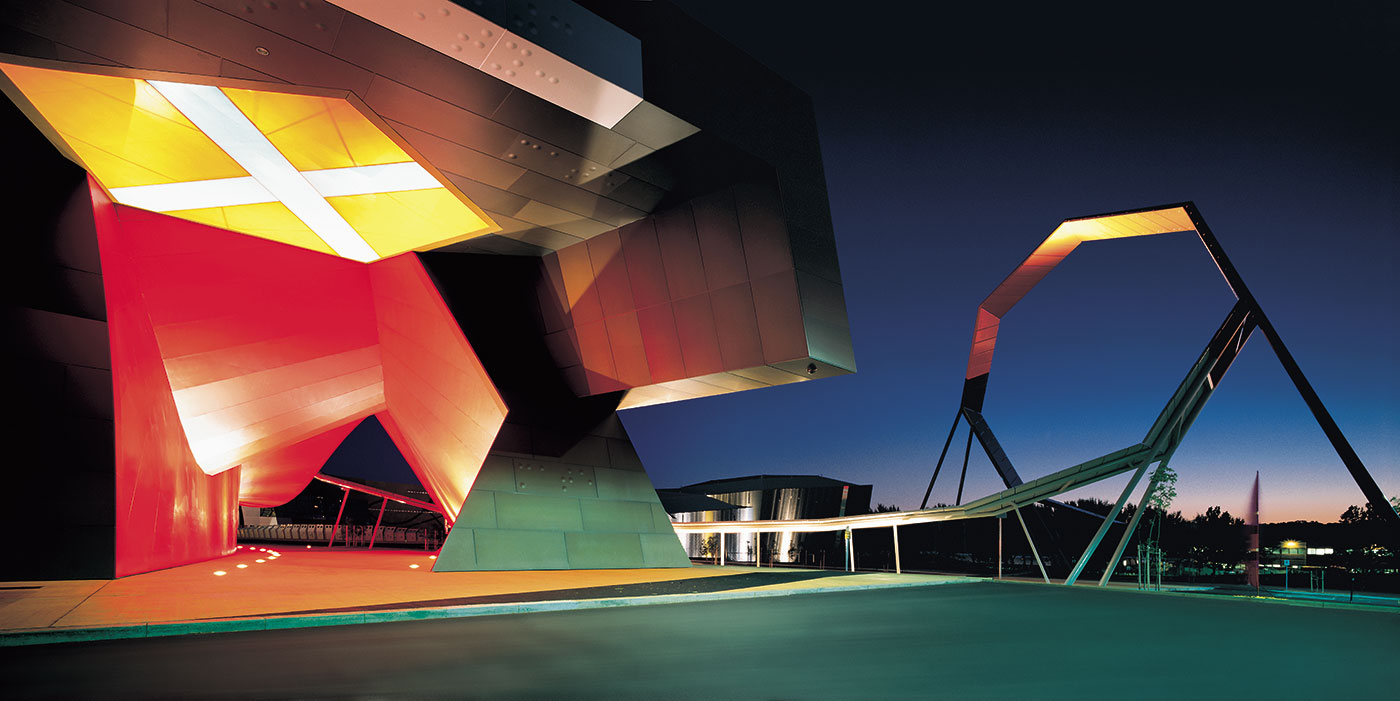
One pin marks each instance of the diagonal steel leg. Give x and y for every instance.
(344, 495)
(939, 466)
(1034, 553)
(1132, 528)
(382, 503)
(1108, 521)
(967, 453)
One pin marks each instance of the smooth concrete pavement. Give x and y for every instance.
(261, 588)
(982, 640)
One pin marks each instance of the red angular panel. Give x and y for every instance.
(644, 268)
(596, 351)
(582, 300)
(610, 274)
(629, 353)
(275, 477)
(663, 346)
(440, 400)
(736, 327)
(265, 344)
(695, 325)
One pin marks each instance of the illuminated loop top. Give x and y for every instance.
(1066, 237)
(305, 170)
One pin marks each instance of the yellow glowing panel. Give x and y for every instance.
(324, 175)
(271, 220)
(316, 133)
(124, 131)
(395, 222)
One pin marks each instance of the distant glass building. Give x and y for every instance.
(767, 498)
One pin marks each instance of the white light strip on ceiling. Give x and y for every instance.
(371, 180)
(198, 194)
(215, 115)
(231, 192)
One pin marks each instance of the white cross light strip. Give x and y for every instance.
(231, 192)
(215, 115)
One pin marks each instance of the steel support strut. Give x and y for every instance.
(939, 466)
(382, 503)
(344, 496)
(1359, 473)
(1034, 553)
(967, 453)
(1107, 521)
(896, 548)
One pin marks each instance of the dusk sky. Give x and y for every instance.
(954, 143)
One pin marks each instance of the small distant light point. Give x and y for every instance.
(241, 566)
(219, 573)
(413, 566)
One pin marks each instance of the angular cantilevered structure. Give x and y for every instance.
(246, 227)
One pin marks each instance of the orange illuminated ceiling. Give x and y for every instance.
(306, 170)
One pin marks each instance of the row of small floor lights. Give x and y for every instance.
(268, 555)
(273, 555)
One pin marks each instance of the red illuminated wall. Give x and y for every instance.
(276, 476)
(239, 364)
(168, 511)
(265, 344)
(439, 399)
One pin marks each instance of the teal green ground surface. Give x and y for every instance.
(982, 640)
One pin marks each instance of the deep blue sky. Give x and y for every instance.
(954, 143)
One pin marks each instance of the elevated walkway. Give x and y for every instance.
(1157, 447)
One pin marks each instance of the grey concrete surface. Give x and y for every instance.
(983, 640)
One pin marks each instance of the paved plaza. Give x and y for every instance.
(973, 640)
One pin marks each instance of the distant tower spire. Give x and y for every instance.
(1251, 528)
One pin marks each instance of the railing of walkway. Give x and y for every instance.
(345, 535)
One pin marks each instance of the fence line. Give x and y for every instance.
(346, 535)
